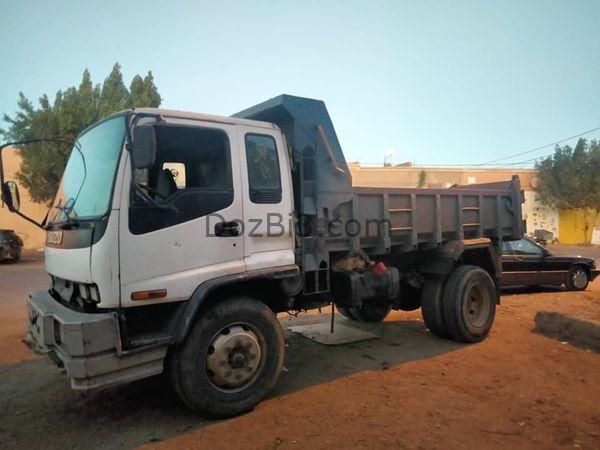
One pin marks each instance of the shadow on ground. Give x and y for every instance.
(39, 410)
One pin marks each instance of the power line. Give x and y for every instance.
(538, 148)
(495, 163)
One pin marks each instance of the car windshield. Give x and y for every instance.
(86, 186)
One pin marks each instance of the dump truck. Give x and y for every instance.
(176, 238)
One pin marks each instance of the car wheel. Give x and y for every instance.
(16, 255)
(232, 357)
(577, 279)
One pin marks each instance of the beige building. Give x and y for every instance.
(33, 237)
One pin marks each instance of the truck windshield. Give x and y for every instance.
(86, 186)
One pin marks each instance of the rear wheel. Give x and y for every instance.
(370, 311)
(232, 357)
(469, 304)
(577, 279)
(343, 310)
(431, 306)
(409, 298)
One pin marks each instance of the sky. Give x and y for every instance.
(433, 82)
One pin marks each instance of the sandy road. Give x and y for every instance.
(406, 389)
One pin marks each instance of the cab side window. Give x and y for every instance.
(263, 169)
(191, 178)
(524, 247)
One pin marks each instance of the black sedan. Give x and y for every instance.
(10, 245)
(525, 263)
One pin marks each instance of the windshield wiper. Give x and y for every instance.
(65, 209)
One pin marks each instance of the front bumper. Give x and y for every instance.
(594, 273)
(87, 346)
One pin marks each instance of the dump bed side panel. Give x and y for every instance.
(401, 219)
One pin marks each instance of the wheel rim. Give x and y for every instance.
(234, 357)
(477, 304)
(579, 278)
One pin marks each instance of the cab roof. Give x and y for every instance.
(175, 114)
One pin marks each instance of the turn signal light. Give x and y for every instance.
(148, 295)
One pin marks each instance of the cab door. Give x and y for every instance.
(189, 234)
(267, 198)
(523, 266)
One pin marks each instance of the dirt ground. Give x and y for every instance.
(407, 389)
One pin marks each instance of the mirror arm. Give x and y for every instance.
(29, 219)
(2, 177)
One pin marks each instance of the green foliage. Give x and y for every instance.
(422, 179)
(570, 179)
(73, 110)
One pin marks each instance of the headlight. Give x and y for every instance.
(89, 292)
(84, 291)
(94, 294)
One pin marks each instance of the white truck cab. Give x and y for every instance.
(175, 238)
(218, 171)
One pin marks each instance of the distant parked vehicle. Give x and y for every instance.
(542, 237)
(10, 245)
(526, 263)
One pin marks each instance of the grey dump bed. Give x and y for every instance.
(409, 218)
(337, 217)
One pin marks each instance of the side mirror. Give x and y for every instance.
(143, 149)
(10, 195)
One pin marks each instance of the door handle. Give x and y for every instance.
(227, 229)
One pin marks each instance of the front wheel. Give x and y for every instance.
(232, 357)
(577, 279)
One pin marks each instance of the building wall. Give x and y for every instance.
(573, 224)
(408, 176)
(539, 217)
(33, 237)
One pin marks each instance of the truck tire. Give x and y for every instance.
(409, 298)
(431, 306)
(343, 310)
(469, 304)
(577, 279)
(370, 311)
(232, 357)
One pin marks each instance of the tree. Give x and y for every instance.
(73, 110)
(570, 179)
(422, 179)
(143, 91)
